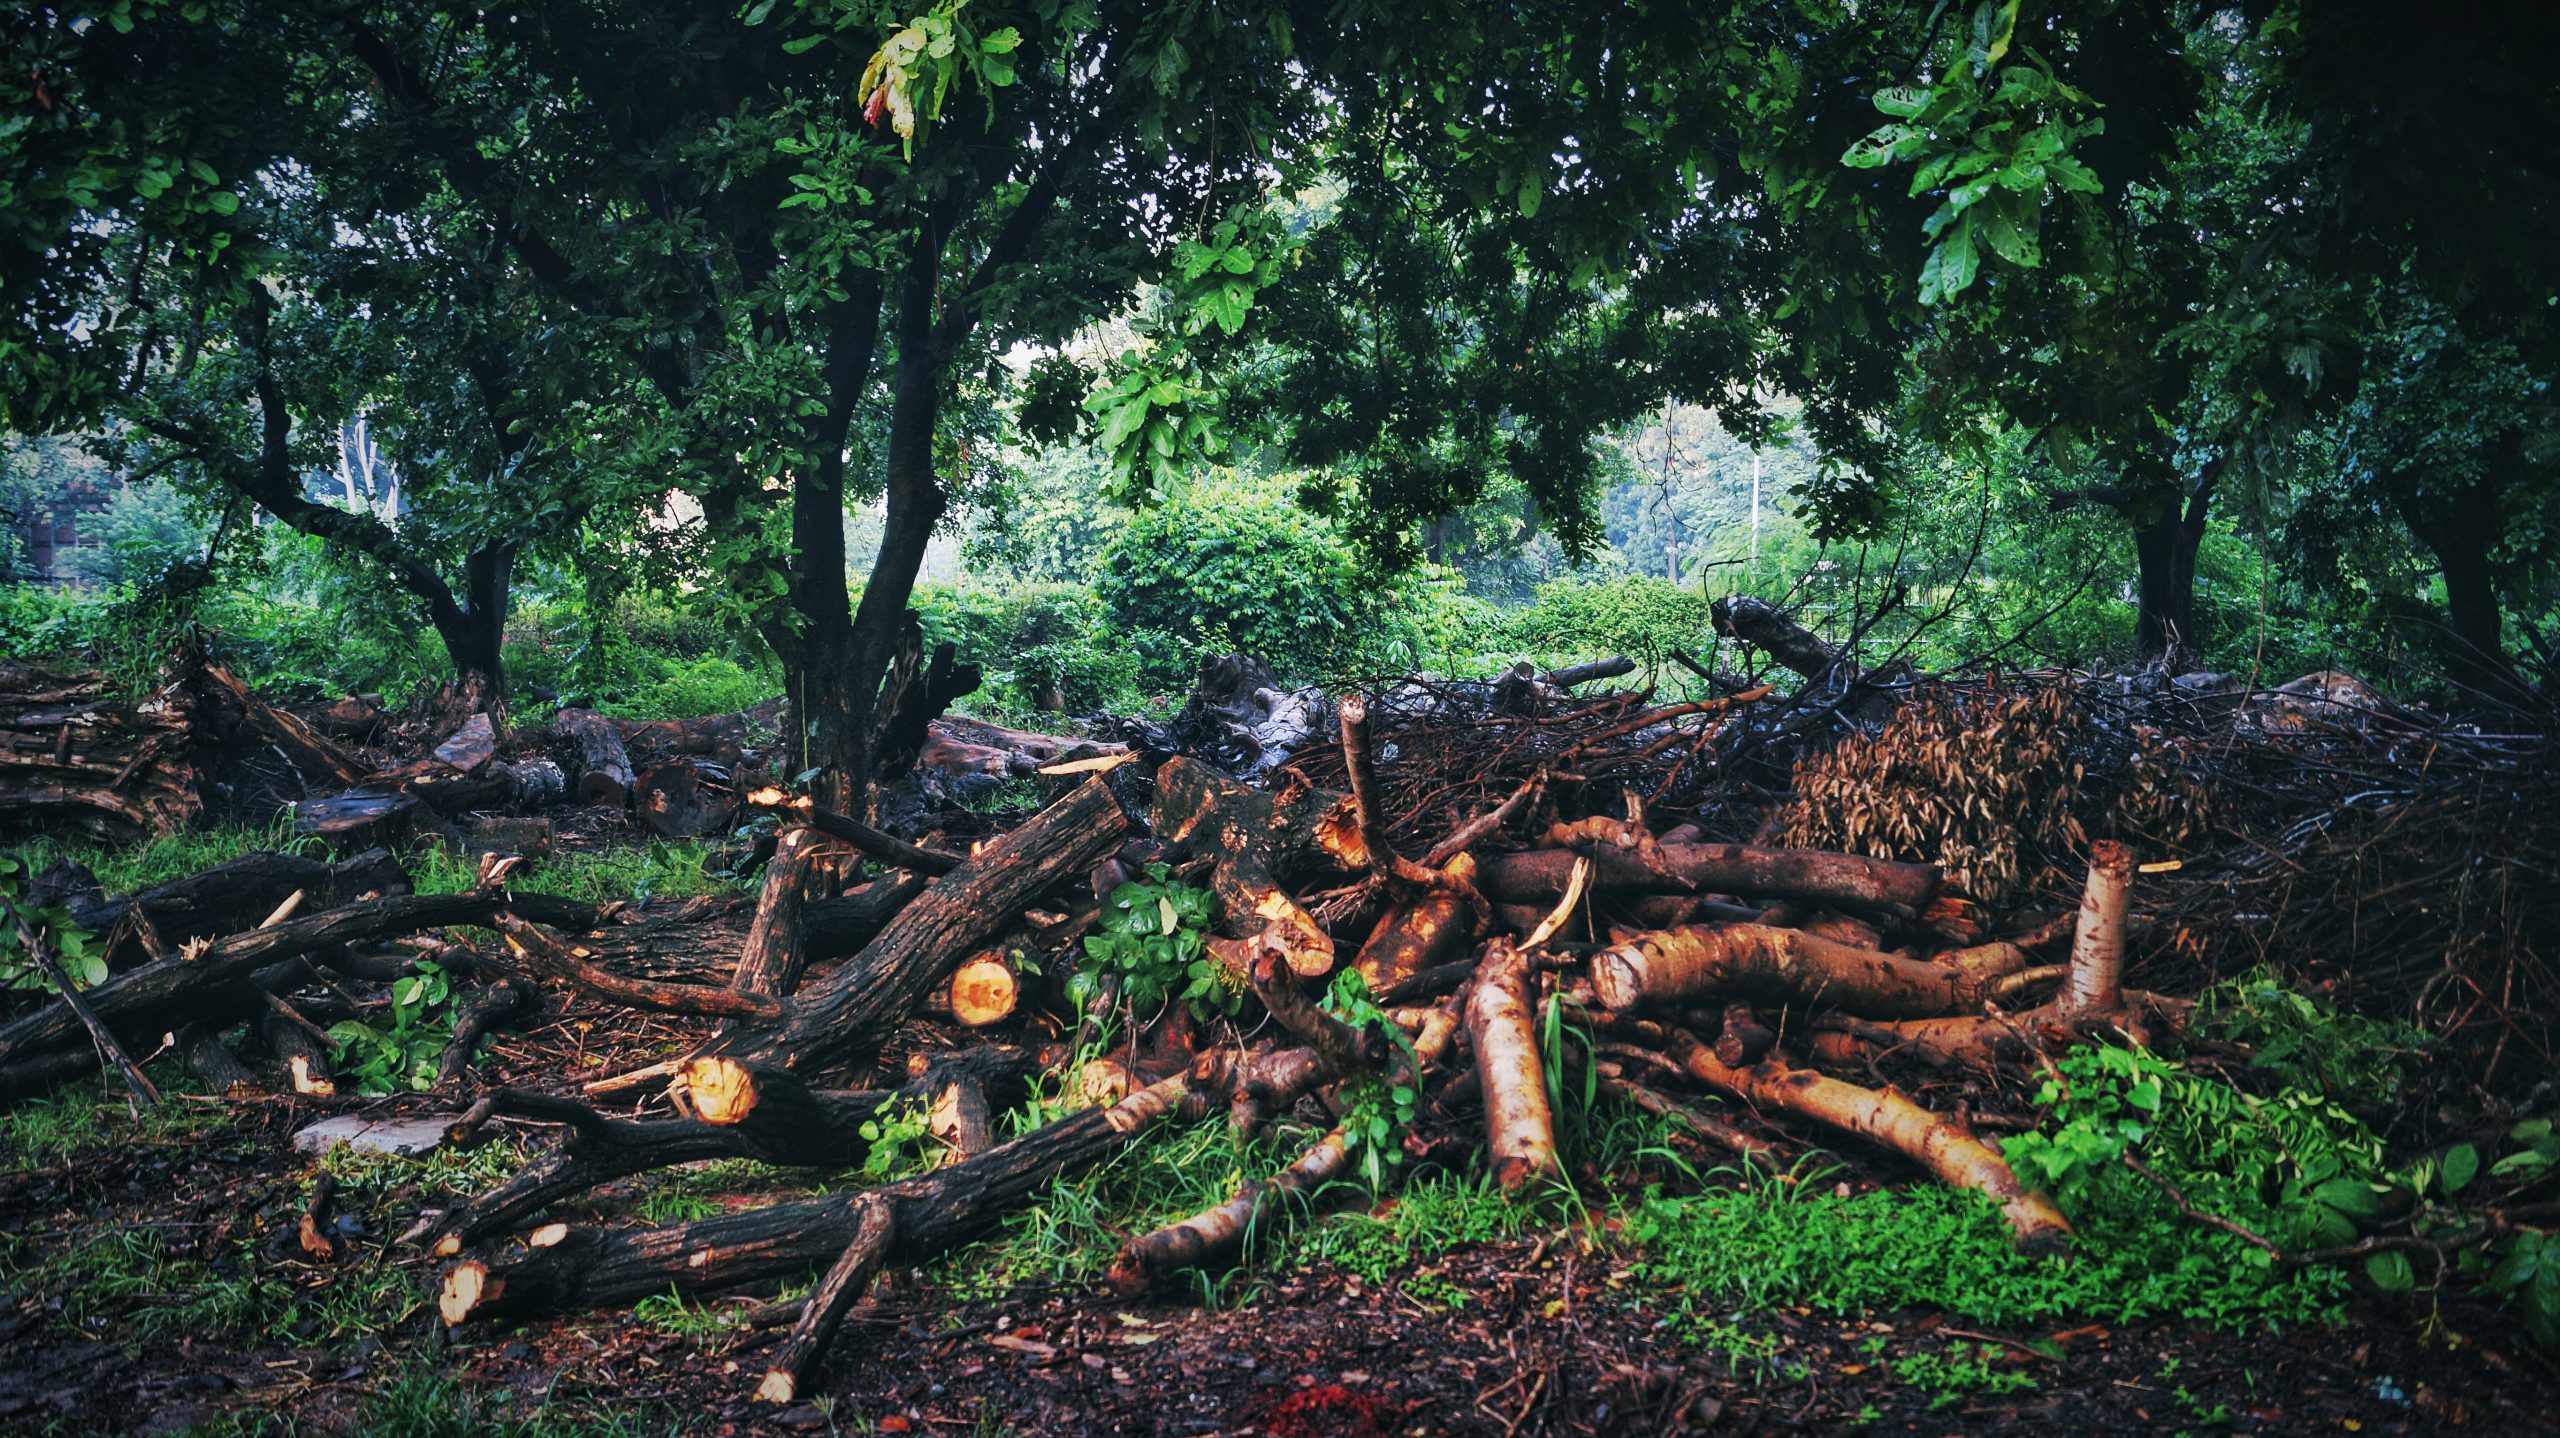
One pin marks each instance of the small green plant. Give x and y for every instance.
(73, 947)
(2305, 1043)
(404, 1054)
(1751, 1357)
(1155, 937)
(1962, 1369)
(1375, 1109)
(668, 1313)
(2293, 1167)
(902, 1144)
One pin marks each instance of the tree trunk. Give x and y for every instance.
(2459, 533)
(2164, 551)
(474, 632)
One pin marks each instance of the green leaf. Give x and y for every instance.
(2390, 1271)
(2349, 1196)
(2461, 1165)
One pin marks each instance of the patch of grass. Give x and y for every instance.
(659, 869)
(1069, 1232)
(668, 1313)
(125, 1277)
(82, 1113)
(1788, 1240)
(698, 1190)
(123, 868)
(1428, 1221)
(1008, 797)
(458, 1171)
(1958, 1371)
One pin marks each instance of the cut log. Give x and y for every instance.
(1519, 1127)
(1428, 929)
(762, 1114)
(510, 834)
(1538, 876)
(357, 820)
(593, 1266)
(777, 947)
(981, 991)
(2096, 984)
(1886, 1117)
(845, 1019)
(1778, 965)
(604, 765)
(675, 800)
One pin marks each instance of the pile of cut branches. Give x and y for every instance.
(1380, 933)
(1756, 975)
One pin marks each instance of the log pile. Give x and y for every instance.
(79, 755)
(1499, 864)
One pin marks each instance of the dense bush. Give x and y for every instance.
(1035, 642)
(1231, 568)
(1636, 615)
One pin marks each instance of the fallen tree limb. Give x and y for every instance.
(1778, 965)
(1253, 835)
(880, 844)
(591, 1266)
(110, 1050)
(1539, 875)
(537, 952)
(844, 1019)
(1888, 1118)
(215, 985)
(1519, 1127)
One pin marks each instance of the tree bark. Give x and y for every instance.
(604, 765)
(2460, 532)
(1520, 1129)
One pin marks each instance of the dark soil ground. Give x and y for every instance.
(1553, 1337)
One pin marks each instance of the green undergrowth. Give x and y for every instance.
(659, 869)
(1784, 1242)
(83, 1113)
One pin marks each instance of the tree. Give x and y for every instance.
(226, 329)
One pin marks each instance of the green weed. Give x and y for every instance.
(1951, 1375)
